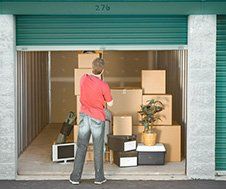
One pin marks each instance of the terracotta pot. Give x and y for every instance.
(149, 139)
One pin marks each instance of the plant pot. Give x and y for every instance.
(149, 139)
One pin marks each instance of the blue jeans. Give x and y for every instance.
(88, 126)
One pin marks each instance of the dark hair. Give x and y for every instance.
(98, 66)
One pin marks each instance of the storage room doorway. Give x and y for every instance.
(46, 95)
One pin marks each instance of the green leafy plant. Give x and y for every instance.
(149, 114)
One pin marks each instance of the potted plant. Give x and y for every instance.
(149, 115)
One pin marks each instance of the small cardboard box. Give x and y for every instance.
(153, 81)
(170, 136)
(78, 73)
(151, 155)
(86, 60)
(126, 102)
(166, 114)
(121, 143)
(122, 125)
(125, 159)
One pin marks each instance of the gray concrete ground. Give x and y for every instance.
(88, 184)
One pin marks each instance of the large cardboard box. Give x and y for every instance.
(153, 81)
(122, 125)
(126, 103)
(170, 136)
(78, 73)
(85, 60)
(166, 114)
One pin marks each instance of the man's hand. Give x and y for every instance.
(110, 103)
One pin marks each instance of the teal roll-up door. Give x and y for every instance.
(101, 30)
(221, 95)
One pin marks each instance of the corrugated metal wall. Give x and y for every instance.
(33, 102)
(221, 95)
(63, 99)
(175, 64)
(101, 30)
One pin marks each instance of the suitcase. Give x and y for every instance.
(122, 143)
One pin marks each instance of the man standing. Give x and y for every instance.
(94, 93)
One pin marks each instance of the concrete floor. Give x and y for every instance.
(88, 184)
(36, 161)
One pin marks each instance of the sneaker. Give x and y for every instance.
(100, 182)
(74, 182)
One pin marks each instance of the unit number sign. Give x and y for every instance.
(103, 8)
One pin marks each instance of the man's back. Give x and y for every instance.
(94, 94)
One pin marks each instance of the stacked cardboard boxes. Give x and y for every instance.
(154, 87)
(127, 103)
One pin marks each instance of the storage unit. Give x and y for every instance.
(153, 81)
(126, 103)
(151, 155)
(166, 114)
(122, 125)
(77, 30)
(170, 136)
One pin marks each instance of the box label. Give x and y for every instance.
(128, 161)
(131, 145)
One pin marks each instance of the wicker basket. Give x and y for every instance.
(149, 139)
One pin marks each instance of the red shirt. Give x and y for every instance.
(93, 94)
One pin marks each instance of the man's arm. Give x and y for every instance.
(107, 95)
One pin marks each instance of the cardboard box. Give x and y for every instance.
(121, 143)
(153, 81)
(126, 103)
(86, 60)
(122, 125)
(166, 114)
(125, 159)
(170, 136)
(78, 73)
